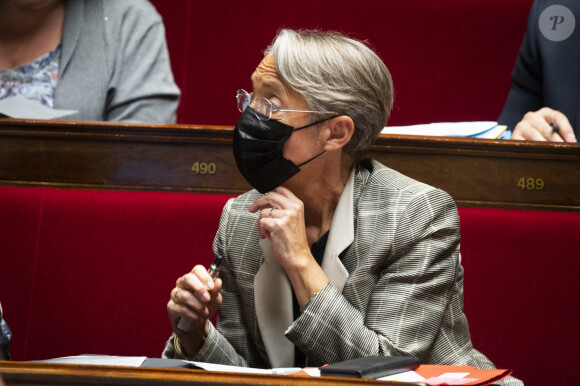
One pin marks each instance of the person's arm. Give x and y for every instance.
(217, 345)
(415, 283)
(282, 220)
(524, 112)
(526, 90)
(142, 88)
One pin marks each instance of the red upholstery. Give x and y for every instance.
(20, 211)
(522, 292)
(451, 60)
(91, 271)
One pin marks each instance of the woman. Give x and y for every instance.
(371, 257)
(105, 59)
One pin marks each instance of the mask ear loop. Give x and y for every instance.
(309, 125)
(312, 159)
(316, 123)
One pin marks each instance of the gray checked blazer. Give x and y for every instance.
(396, 283)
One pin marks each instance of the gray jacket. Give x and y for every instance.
(114, 63)
(396, 283)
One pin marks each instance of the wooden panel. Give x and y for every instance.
(30, 373)
(95, 155)
(119, 156)
(492, 173)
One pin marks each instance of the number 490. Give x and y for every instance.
(204, 168)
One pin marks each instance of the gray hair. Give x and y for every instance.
(335, 73)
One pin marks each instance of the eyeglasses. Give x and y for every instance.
(264, 106)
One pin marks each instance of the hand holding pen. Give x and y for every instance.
(545, 124)
(184, 323)
(193, 301)
(562, 130)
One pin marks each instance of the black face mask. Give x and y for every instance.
(258, 148)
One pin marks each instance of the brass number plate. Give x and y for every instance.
(204, 168)
(531, 183)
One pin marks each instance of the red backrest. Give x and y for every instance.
(91, 271)
(451, 60)
(20, 211)
(522, 293)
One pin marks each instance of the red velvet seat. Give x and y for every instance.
(90, 272)
(522, 293)
(20, 211)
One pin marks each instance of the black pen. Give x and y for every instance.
(214, 269)
(183, 324)
(555, 128)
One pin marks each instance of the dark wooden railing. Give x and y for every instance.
(190, 158)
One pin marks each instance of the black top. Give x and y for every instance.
(317, 250)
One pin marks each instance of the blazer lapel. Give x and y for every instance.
(340, 237)
(273, 291)
(273, 300)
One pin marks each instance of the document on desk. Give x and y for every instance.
(19, 107)
(101, 360)
(112, 360)
(477, 129)
(239, 369)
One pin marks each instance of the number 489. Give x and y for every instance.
(531, 183)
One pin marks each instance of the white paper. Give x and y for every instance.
(445, 129)
(312, 371)
(454, 375)
(102, 360)
(230, 369)
(407, 376)
(19, 107)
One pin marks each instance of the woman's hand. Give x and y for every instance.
(196, 298)
(282, 221)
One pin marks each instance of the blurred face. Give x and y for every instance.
(33, 5)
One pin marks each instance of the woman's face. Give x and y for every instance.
(303, 144)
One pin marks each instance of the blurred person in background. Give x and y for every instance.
(5, 337)
(106, 59)
(544, 100)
